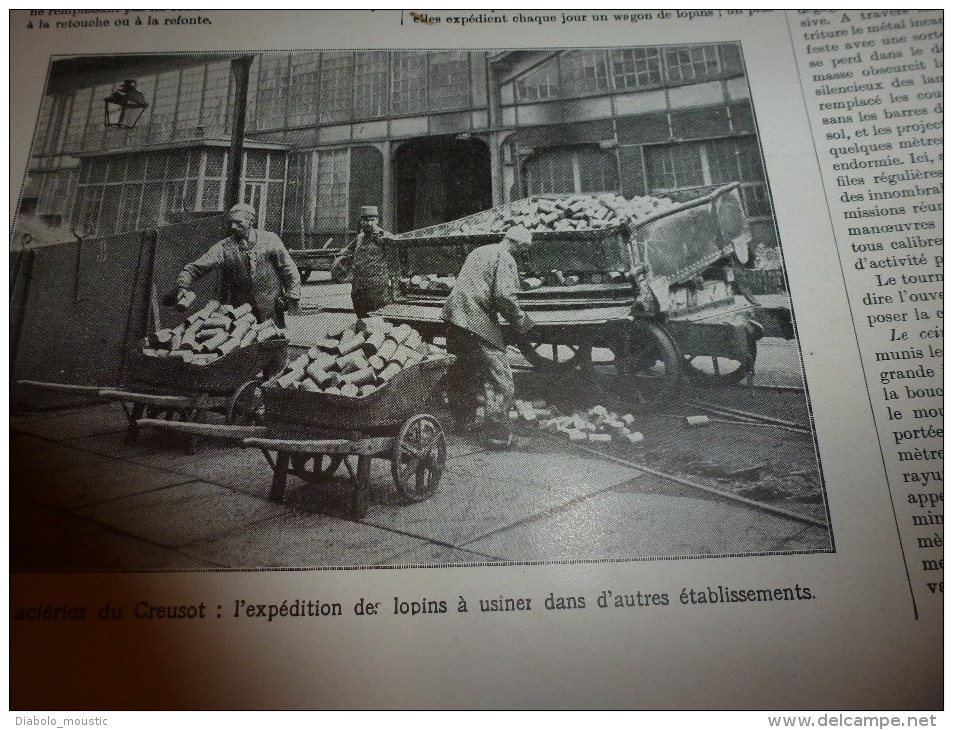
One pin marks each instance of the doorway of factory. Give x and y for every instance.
(439, 179)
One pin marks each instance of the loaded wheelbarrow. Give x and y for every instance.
(171, 390)
(309, 435)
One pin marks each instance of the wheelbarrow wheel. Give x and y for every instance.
(419, 456)
(246, 407)
(653, 368)
(314, 469)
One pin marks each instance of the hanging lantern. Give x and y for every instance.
(125, 106)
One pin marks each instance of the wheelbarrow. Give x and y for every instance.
(309, 435)
(171, 390)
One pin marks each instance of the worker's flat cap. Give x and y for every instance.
(519, 234)
(367, 210)
(242, 209)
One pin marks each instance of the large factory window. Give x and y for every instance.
(54, 193)
(336, 78)
(697, 63)
(303, 92)
(574, 74)
(163, 107)
(333, 178)
(539, 84)
(409, 86)
(76, 126)
(272, 91)
(712, 162)
(189, 109)
(571, 170)
(583, 72)
(636, 68)
(187, 104)
(325, 190)
(126, 192)
(370, 84)
(215, 99)
(299, 198)
(449, 78)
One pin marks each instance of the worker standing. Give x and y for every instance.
(256, 269)
(364, 263)
(485, 288)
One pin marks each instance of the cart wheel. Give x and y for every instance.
(246, 407)
(420, 452)
(541, 355)
(712, 370)
(314, 469)
(653, 368)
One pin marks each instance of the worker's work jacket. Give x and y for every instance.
(487, 286)
(363, 262)
(257, 272)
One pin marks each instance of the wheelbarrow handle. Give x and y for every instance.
(236, 433)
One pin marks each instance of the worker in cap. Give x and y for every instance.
(255, 269)
(362, 263)
(481, 376)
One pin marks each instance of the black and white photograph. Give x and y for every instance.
(404, 308)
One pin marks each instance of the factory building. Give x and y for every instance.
(429, 136)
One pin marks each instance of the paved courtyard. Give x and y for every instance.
(83, 499)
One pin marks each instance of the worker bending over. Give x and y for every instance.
(486, 287)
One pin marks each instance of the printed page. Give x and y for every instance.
(887, 69)
(476, 359)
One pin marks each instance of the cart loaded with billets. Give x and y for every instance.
(648, 284)
(308, 432)
(188, 374)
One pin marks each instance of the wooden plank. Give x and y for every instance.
(375, 446)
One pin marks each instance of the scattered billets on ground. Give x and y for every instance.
(358, 360)
(210, 333)
(597, 425)
(554, 213)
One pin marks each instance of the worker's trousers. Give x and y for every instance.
(480, 378)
